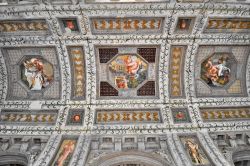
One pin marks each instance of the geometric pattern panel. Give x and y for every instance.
(65, 152)
(235, 87)
(33, 73)
(126, 73)
(25, 117)
(26, 27)
(78, 72)
(224, 25)
(127, 116)
(147, 53)
(126, 25)
(107, 90)
(105, 54)
(221, 70)
(180, 115)
(147, 89)
(194, 150)
(176, 70)
(225, 114)
(75, 117)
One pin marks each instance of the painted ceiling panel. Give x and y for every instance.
(157, 82)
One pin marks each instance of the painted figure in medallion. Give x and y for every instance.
(36, 73)
(216, 70)
(128, 70)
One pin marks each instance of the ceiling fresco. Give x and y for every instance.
(109, 83)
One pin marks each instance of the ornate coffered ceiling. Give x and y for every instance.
(82, 69)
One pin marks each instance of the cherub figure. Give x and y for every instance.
(132, 64)
(212, 70)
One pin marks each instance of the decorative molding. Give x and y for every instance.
(127, 116)
(21, 149)
(50, 148)
(234, 146)
(227, 25)
(225, 114)
(82, 151)
(78, 66)
(24, 117)
(24, 27)
(214, 148)
(176, 70)
(126, 25)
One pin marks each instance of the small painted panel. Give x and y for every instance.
(225, 25)
(69, 25)
(44, 117)
(180, 115)
(37, 73)
(127, 116)
(78, 70)
(75, 117)
(128, 71)
(176, 70)
(194, 150)
(126, 25)
(216, 70)
(24, 26)
(65, 152)
(184, 25)
(224, 114)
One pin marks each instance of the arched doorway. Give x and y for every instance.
(131, 159)
(241, 158)
(242, 163)
(10, 159)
